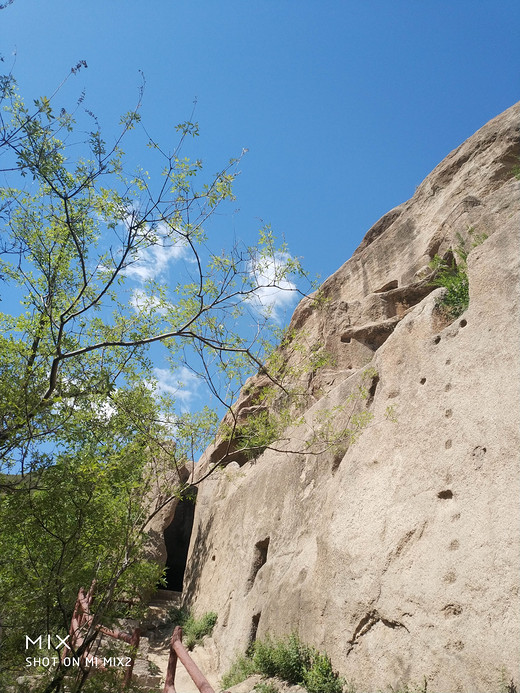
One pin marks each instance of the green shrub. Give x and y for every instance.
(193, 629)
(454, 279)
(196, 629)
(266, 688)
(453, 275)
(506, 683)
(320, 677)
(515, 171)
(153, 668)
(241, 669)
(290, 660)
(178, 616)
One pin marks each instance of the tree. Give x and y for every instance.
(82, 519)
(85, 426)
(74, 243)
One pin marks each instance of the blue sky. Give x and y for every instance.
(345, 106)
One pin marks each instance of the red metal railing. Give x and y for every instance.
(178, 651)
(80, 624)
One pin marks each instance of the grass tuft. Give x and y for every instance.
(290, 660)
(193, 629)
(453, 275)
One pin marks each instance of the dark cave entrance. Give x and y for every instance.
(177, 540)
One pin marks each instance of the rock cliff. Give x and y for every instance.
(397, 553)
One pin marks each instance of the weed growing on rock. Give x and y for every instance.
(506, 683)
(153, 668)
(197, 629)
(453, 275)
(193, 629)
(320, 677)
(515, 171)
(454, 279)
(290, 660)
(266, 688)
(242, 668)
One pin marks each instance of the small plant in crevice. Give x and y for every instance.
(515, 171)
(241, 669)
(451, 273)
(288, 659)
(320, 677)
(271, 414)
(454, 279)
(196, 629)
(411, 688)
(153, 669)
(326, 434)
(178, 615)
(266, 688)
(193, 629)
(506, 683)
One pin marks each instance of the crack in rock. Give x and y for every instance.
(369, 620)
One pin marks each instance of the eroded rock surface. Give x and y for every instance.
(397, 555)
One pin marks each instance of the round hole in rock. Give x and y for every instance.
(445, 495)
(423, 380)
(437, 339)
(177, 541)
(463, 323)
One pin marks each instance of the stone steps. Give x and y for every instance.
(170, 597)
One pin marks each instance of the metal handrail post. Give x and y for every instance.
(134, 644)
(193, 670)
(169, 684)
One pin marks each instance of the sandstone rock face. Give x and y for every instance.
(398, 553)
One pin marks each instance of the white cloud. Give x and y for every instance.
(104, 410)
(182, 384)
(274, 292)
(153, 260)
(141, 301)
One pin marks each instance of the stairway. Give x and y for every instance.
(169, 597)
(159, 608)
(153, 629)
